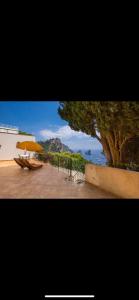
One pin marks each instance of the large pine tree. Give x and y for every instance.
(113, 123)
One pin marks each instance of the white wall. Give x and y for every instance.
(8, 142)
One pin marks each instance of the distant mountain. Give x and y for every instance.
(54, 145)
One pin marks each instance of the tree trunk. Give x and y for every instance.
(106, 149)
(114, 148)
(112, 143)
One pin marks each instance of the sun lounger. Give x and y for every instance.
(24, 163)
(20, 163)
(31, 166)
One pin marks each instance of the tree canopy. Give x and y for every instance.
(111, 122)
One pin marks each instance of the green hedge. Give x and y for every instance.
(74, 161)
(130, 166)
(70, 161)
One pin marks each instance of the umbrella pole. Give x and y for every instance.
(25, 151)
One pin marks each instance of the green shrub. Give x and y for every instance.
(24, 133)
(130, 166)
(71, 161)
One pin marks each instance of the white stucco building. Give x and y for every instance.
(9, 136)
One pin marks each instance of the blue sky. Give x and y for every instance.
(42, 119)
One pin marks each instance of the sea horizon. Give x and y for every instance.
(96, 156)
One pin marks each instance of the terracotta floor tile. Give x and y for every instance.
(45, 183)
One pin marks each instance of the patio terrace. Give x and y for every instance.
(45, 183)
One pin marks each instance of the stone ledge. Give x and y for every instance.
(122, 183)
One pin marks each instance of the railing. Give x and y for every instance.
(75, 169)
(6, 126)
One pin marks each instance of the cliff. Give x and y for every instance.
(54, 145)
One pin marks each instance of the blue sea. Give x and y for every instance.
(96, 157)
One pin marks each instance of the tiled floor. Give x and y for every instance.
(45, 183)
